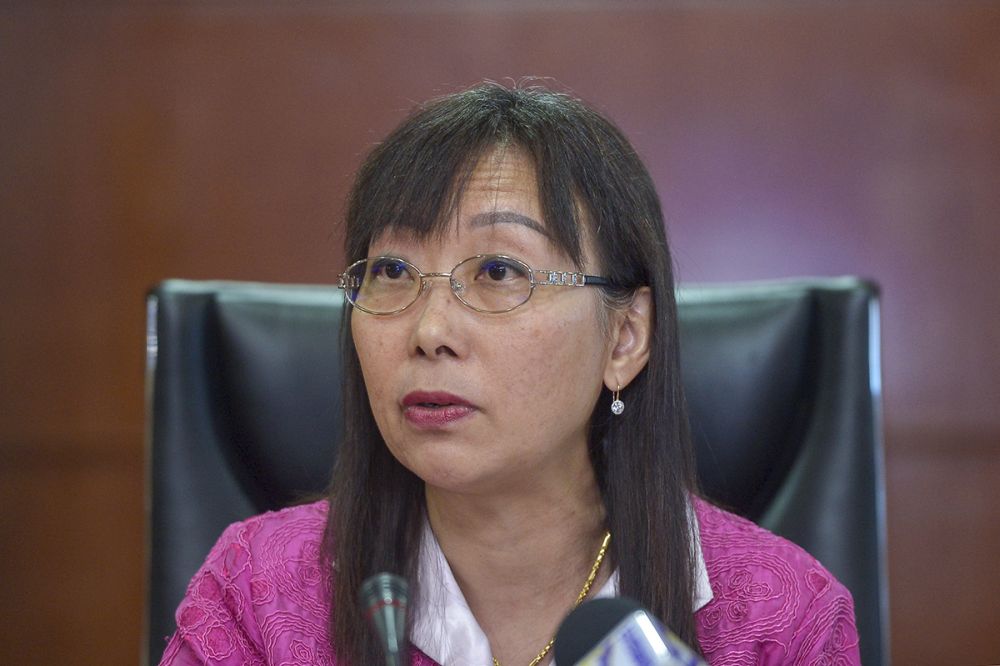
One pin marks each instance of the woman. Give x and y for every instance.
(516, 438)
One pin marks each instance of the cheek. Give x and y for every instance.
(375, 353)
(558, 365)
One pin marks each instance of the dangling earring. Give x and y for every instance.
(617, 406)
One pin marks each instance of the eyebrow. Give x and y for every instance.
(507, 217)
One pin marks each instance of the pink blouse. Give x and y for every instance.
(261, 597)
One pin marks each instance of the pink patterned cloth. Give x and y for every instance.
(261, 597)
(772, 602)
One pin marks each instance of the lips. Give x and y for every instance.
(435, 409)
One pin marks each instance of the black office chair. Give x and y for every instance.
(782, 382)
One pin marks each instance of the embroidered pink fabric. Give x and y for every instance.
(261, 598)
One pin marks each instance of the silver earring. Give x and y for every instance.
(617, 406)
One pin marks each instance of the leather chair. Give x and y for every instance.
(782, 380)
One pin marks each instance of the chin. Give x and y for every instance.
(444, 467)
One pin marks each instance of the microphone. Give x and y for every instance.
(384, 599)
(618, 632)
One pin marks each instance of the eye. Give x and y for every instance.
(499, 269)
(389, 268)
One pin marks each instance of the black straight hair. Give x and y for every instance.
(591, 184)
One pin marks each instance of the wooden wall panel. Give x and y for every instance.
(71, 553)
(140, 141)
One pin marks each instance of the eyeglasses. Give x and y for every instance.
(490, 283)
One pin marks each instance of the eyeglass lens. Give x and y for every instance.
(489, 283)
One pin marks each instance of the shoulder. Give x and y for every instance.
(772, 602)
(276, 558)
(274, 534)
(263, 592)
(259, 548)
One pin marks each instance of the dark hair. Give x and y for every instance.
(590, 181)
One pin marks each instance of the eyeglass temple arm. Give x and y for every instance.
(570, 279)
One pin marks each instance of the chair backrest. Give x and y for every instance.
(782, 382)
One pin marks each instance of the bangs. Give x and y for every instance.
(413, 182)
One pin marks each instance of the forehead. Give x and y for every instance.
(505, 173)
(497, 206)
(498, 195)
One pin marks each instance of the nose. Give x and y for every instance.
(435, 333)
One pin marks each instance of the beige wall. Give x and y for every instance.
(216, 140)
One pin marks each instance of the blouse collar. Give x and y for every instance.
(447, 632)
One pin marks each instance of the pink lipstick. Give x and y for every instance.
(435, 409)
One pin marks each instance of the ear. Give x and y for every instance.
(630, 338)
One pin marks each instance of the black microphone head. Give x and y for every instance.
(587, 624)
(384, 598)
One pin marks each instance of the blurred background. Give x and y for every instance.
(147, 140)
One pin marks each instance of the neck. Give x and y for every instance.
(521, 558)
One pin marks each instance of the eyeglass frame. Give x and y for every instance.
(552, 279)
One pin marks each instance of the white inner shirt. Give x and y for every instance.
(447, 632)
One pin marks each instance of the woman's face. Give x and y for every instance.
(479, 403)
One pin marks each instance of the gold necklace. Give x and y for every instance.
(591, 577)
